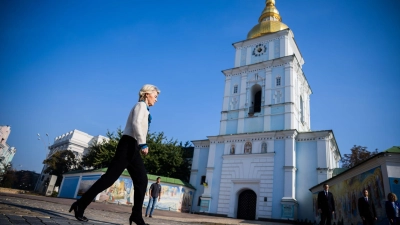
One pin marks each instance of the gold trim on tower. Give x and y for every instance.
(269, 21)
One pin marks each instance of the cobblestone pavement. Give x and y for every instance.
(39, 210)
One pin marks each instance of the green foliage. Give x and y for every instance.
(61, 162)
(165, 158)
(101, 154)
(54, 194)
(25, 180)
(358, 155)
(7, 175)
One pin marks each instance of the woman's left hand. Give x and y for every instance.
(145, 151)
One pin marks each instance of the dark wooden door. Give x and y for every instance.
(247, 205)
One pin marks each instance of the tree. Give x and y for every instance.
(61, 162)
(25, 180)
(358, 155)
(165, 158)
(7, 175)
(101, 154)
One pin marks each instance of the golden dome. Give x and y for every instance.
(269, 21)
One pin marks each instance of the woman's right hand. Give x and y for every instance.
(145, 151)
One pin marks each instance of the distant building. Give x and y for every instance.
(4, 133)
(6, 152)
(76, 141)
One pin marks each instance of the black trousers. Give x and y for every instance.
(326, 217)
(126, 156)
(369, 221)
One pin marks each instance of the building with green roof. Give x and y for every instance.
(177, 195)
(380, 175)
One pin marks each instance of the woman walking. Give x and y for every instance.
(127, 156)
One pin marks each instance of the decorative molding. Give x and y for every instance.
(289, 168)
(252, 155)
(202, 146)
(305, 139)
(263, 42)
(241, 181)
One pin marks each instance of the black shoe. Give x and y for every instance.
(145, 215)
(78, 212)
(150, 216)
(137, 220)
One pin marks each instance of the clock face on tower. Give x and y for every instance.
(259, 49)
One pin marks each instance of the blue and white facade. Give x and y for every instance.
(7, 152)
(265, 143)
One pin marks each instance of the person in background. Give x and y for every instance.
(366, 209)
(392, 207)
(326, 205)
(154, 193)
(127, 155)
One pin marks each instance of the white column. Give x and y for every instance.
(242, 103)
(210, 170)
(237, 57)
(267, 99)
(289, 192)
(271, 50)
(289, 97)
(248, 56)
(322, 157)
(284, 46)
(290, 168)
(227, 93)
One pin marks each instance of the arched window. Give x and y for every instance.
(256, 93)
(301, 110)
(232, 150)
(263, 147)
(247, 147)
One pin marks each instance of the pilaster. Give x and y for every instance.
(243, 103)
(267, 98)
(322, 157)
(227, 93)
(288, 202)
(237, 57)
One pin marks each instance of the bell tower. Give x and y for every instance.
(266, 90)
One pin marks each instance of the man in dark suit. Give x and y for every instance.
(366, 208)
(326, 205)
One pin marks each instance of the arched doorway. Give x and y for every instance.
(247, 205)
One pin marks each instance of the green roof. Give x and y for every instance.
(149, 176)
(394, 149)
(337, 171)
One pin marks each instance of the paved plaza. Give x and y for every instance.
(39, 210)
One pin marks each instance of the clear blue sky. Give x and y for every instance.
(68, 65)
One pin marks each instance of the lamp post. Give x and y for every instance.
(45, 148)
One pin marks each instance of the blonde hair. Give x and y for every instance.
(147, 89)
(392, 194)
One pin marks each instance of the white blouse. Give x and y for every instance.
(137, 124)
